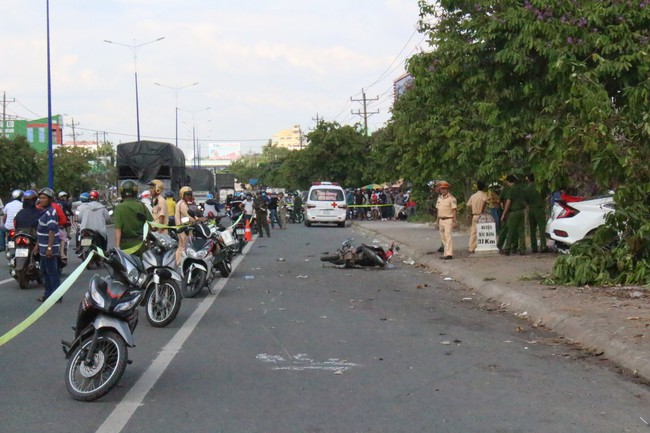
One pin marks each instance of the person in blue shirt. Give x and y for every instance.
(26, 220)
(48, 244)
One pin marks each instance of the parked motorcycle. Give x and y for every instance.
(197, 258)
(349, 256)
(89, 240)
(296, 217)
(226, 244)
(106, 320)
(163, 294)
(25, 264)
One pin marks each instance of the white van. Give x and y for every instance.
(325, 204)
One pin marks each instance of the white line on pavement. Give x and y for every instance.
(7, 280)
(133, 399)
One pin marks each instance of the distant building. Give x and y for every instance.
(402, 84)
(291, 138)
(34, 130)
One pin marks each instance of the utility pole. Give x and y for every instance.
(365, 113)
(74, 134)
(4, 113)
(318, 120)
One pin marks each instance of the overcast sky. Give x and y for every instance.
(261, 66)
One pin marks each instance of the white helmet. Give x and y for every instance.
(17, 194)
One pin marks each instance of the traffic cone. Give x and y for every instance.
(247, 231)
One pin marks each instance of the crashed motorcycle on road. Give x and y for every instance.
(349, 256)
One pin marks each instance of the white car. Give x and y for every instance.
(571, 222)
(325, 204)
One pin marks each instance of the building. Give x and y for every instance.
(402, 84)
(291, 138)
(34, 130)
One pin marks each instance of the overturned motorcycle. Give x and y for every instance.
(349, 256)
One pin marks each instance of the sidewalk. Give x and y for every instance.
(611, 322)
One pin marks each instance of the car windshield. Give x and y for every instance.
(326, 195)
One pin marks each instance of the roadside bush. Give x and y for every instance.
(619, 251)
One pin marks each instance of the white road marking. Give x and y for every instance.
(134, 398)
(7, 280)
(302, 362)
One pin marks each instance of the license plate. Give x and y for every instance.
(22, 252)
(11, 244)
(86, 242)
(227, 238)
(240, 231)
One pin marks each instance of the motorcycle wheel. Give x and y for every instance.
(163, 312)
(196, 284)
(225, 268)
(300, 218)
(372, 258)
(23, 279)
(90, 382)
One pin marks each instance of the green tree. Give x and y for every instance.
(17, 166)
(551, 87)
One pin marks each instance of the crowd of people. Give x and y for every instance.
(379, 204)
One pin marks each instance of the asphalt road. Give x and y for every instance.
(288, 345)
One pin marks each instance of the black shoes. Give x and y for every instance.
(441, 249)
(446, 258)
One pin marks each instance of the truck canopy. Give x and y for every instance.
(147, 160)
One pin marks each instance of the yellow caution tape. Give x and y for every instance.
(51, 300)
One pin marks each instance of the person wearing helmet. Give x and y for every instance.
(12, 208)
(182, 216)
(446, 206)
(66, 205)
(130, 216)
(48, 243)
(158, 204)
(94, 216)
(26, 220)
(210, 207)
(84, 198)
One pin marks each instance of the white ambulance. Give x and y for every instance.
(325, 203)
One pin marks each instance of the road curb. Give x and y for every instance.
(582, 331)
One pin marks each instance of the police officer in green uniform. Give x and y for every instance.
(130, 216)
(502, 232)
(536, 215)
(515, 212)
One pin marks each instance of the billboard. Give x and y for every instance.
(224, 151)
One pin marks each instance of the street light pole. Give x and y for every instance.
(176, 89)
(135, 47)
(50, 154)
(195, 146)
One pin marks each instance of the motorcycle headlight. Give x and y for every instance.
(128, 305)
(97, 297)
(199, 255)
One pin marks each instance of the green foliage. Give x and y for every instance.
(17, 165)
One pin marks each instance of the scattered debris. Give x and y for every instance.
(524, 314)
(421, 286)
(302, 276)
(249, 277)
(466, 299)
(636, 294)
(448, 279)
(445, 342)
(280, 259)
(409, 262)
